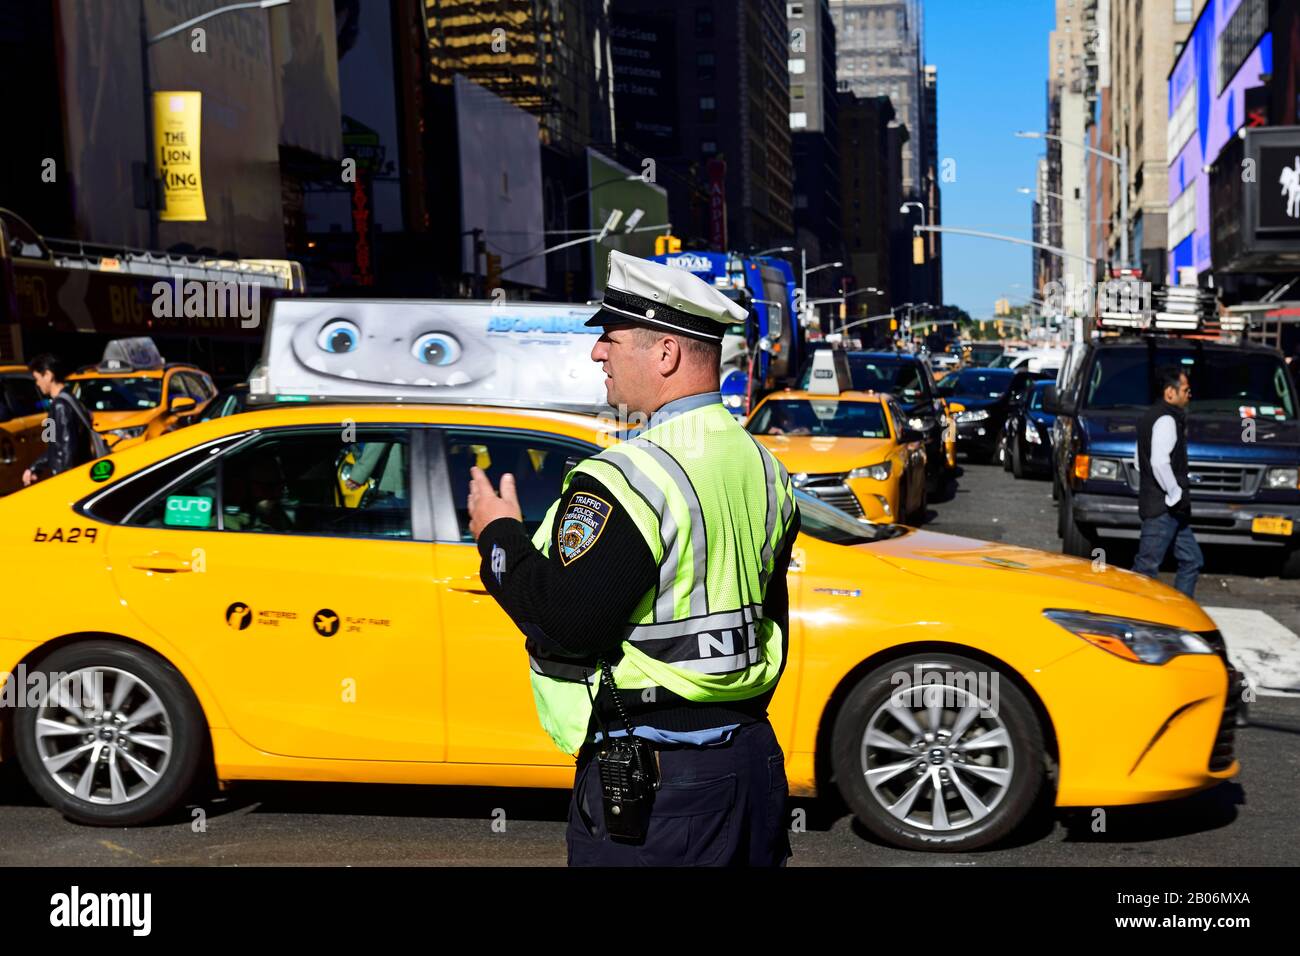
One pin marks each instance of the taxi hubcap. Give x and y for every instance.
(103, 735)
(937, 757)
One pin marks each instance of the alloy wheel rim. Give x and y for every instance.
(103, 735)
(937, 757)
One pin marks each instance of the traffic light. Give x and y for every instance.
(666, 245)
(918, 251)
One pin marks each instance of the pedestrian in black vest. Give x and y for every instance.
(1164, 494)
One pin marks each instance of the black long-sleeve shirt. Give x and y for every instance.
(576, 602)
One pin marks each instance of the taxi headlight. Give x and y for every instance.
(1104, 468)
(1137, 641)
(976, 416)
(1282, 478)
(134, 431)
(1031, 433)
(878, 472)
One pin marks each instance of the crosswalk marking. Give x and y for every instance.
(1262, 648)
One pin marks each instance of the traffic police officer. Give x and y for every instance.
(653, 597)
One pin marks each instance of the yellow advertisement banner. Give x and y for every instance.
(176, 121)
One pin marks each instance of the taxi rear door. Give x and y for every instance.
(491, 717)
(305, 603)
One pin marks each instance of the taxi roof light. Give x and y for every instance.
(830, 372)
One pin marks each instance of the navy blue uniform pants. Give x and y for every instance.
(715, 806)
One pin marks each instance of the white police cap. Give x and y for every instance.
(664, 297)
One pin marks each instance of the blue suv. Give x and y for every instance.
(1243, 442)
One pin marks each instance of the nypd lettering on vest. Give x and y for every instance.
(581, 525)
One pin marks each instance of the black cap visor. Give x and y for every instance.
(620, 308)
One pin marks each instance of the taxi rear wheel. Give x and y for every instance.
(113, 737)
(939, 753)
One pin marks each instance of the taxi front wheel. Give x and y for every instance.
(112, 737)
(938, 752)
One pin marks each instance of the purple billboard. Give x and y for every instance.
(1228, 50)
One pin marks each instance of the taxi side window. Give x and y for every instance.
(312, 483)
(537, 464)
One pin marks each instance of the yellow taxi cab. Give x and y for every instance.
(853, 450)
(240, 611)
(134, 399)
(22, 411)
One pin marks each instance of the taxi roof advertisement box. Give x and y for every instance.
(500, 182)
(526, 354)
(609, 188)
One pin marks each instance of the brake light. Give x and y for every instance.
(1081, 467)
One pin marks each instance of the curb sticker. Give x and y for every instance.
(326, 622)
(581, 525)
(101, 470)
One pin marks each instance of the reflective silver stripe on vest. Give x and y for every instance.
(561, 671)
(694, 625)
(665, 605)
(713, 644)
(648, 490)
(769, 525)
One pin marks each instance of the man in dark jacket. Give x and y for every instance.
(68, 426)
(1164, 492)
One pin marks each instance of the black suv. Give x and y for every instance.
(1243, 442)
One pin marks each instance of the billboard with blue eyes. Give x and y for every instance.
(432, 351)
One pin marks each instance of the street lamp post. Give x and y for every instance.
(147, 41)
(807, 272)
(1121, 161)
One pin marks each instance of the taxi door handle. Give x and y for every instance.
(160, 561)
(467, 588)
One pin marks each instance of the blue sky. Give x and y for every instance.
(992, 62)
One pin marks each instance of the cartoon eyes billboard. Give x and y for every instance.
(436, 350)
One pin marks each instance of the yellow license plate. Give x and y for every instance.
(1270, 525)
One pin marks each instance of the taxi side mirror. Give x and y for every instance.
(181, 403)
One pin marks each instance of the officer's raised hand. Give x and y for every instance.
(486, 506)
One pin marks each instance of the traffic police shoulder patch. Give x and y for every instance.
(583, 521)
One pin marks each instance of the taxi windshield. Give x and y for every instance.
(802, 416)
(118, 394)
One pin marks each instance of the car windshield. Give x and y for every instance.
(819, 520)
(1224, 381)
(801, 416)
(983, 354)
(1036, 396)
(977, 382)
(1003, 361)
(118, 394)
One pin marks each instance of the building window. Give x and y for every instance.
(703, 22)
(798, 66)
(798, 120)
(708, 147)
(704, 64)
(1182, 11)
(794, 9)
(708, 103)
(796, 92)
